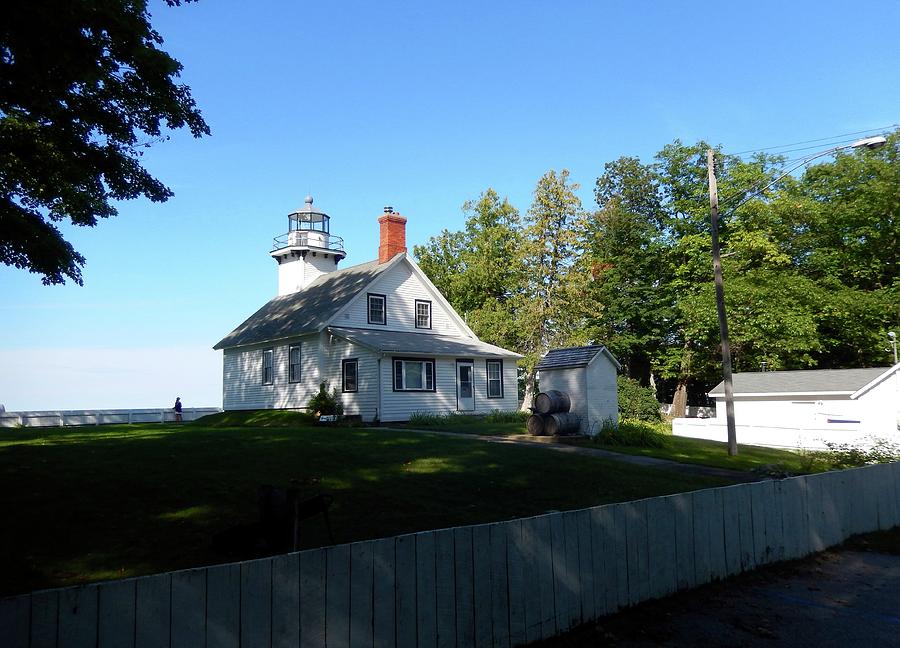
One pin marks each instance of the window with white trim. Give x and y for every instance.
(377, 309)
(495, 379)
(414, 374)
(268, 366)
(350, 375)
(423, 314)
(294, 363)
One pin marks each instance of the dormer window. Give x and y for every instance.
(423, 314)
(377, 309)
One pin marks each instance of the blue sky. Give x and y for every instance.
(417, 105)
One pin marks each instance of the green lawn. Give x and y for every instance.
(715, 453)
(488, 425)
(84, 504)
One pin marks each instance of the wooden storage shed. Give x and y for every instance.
(588, 375)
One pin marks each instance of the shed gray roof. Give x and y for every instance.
(808, 381)
(573, 357)
(306, 311)
(420, 343)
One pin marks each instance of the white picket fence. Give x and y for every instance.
(61, 418)
(502, 584)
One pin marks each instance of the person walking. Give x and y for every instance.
(177, 409)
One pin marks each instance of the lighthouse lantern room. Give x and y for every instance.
(308, 249)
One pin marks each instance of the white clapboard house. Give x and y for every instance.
(380, 332)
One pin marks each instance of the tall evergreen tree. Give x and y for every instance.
(553, 306)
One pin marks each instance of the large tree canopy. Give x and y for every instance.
(810, 266)
(83, 87)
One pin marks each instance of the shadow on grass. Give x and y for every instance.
(87, 504)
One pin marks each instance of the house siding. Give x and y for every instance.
(602, 394)
(400, 405)
(242, 376)
(571, 381)
(880, 407)
(364, 401)
(243, 388)
(402, 288)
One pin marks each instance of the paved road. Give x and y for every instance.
(637, 460)
(834, 599)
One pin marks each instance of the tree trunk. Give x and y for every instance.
(679, 401)
(530, 380)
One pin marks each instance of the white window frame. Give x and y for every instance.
(401, 384)
(426, 304)
(498, 380)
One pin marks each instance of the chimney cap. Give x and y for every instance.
(388, 210)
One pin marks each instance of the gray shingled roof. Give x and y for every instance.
(420, 343)
(809, 381)
(306, 311)
(572, 357)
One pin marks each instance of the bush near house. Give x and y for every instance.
(325, 402)
(636, 401)
(633, 433)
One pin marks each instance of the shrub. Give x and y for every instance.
(427, 419)
(637, 402)
(325, 402)
(631, 433)
(845, 455)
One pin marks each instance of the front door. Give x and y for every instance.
(465, 389)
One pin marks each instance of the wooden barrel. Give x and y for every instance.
(560, 423)
(552, 401)
(535, 425)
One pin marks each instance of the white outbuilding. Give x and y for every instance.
(807, 409)
(588, 375)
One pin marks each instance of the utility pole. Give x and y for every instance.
(720, 303)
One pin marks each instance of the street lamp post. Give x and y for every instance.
(868, 142)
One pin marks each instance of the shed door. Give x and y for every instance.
(465, 389)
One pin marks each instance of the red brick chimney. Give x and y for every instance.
(393, 235)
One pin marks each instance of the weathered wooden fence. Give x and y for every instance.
(63, 418)
(497, 585)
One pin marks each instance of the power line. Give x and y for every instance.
(821, 139)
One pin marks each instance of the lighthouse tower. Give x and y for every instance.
(307, 251)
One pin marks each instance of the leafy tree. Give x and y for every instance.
(479, 269)
(627, 257)
(84, 88)
(552, 307)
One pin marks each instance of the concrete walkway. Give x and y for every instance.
(636, 460)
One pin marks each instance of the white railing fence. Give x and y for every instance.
(691, 411)
(502, 584)
(61, 418)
